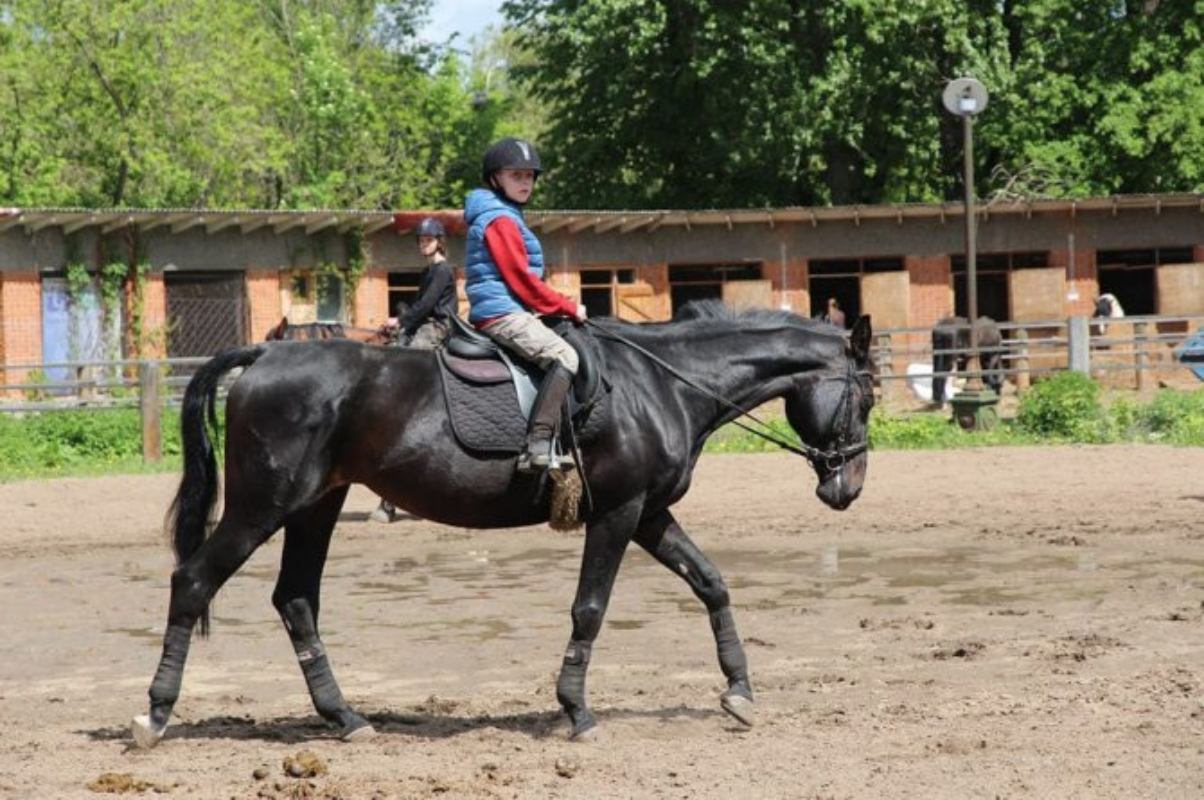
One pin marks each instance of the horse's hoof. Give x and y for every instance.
(587, 735)
(145, 734)
(739, 707)
(360, 734)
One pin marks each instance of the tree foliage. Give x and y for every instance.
(233, 103)
(703, 103)
(634, 103)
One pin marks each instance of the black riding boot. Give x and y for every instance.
(545, 418)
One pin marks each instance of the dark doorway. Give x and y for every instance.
(845, 289)
(1134, 287)
(206, 312)
(992, 296)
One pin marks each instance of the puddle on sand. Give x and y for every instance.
(961, 576)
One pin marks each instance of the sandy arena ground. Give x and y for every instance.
(990, 623)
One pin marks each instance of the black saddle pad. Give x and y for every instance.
(484, 414)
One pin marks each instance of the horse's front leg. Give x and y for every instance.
(297, 598)
(606, 540)
(664, 539)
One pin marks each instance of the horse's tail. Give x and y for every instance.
(190, 516)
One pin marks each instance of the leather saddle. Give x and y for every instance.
(490, 392)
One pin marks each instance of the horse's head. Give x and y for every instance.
(830, 410)
(277, 333)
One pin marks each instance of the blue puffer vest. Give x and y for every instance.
(487, 292)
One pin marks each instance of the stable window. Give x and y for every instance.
(839, 279)
(599, 289)
(403, 290)
(1131, 275)
(332, 297)
(991, 274)
(691, 282)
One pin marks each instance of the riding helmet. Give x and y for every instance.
(510, 153)
(430, 227)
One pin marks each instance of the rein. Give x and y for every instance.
(831, 460)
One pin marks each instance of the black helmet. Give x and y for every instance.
(510, 154)
(430, 227)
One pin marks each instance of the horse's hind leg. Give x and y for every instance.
(193, 586)
(664, 539)
(307, 536)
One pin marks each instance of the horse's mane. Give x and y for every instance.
(701, 314)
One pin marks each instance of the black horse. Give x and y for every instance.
(950, 349)
(297, 436)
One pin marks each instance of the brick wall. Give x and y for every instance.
(794, 295)
(1085, 282)
(154, 317)
(931, 289)
(20, 322)
(263, 297)
(370, 306)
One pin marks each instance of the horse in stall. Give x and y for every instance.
(297, 435)
(1107, 307)
(950, 346)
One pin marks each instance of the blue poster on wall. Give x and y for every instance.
(72, 329)
(1191, 353)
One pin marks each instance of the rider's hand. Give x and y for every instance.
(580, 317)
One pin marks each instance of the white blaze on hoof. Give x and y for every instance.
(739, 707)
(145, 735)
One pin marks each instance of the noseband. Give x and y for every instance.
(835, 459)
(831, 461)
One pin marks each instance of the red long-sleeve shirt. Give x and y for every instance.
(505, 243)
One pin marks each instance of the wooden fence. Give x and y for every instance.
(1133, 352)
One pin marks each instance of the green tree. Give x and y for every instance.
(228, 103)
(701, 103)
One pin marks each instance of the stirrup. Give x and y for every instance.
(543, 459)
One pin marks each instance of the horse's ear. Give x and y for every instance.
(859, 339)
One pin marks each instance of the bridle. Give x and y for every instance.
(831, 461)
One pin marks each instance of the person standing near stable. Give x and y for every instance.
(425, 324)
(504, 270)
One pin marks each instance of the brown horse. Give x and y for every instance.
(286, 331)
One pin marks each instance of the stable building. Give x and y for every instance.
(81, 285)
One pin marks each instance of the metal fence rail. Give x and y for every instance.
(1130, 352)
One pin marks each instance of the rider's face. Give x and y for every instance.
(428, 245)
(517, 184)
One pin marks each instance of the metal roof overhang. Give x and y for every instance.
(72, 220)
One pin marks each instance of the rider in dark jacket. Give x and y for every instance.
(426, 323)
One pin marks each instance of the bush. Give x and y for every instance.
(1065, 406)
(77, 441)
(1173, 417)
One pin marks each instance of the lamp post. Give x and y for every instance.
(974, 408)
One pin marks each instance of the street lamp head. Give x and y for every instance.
(964, 97)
